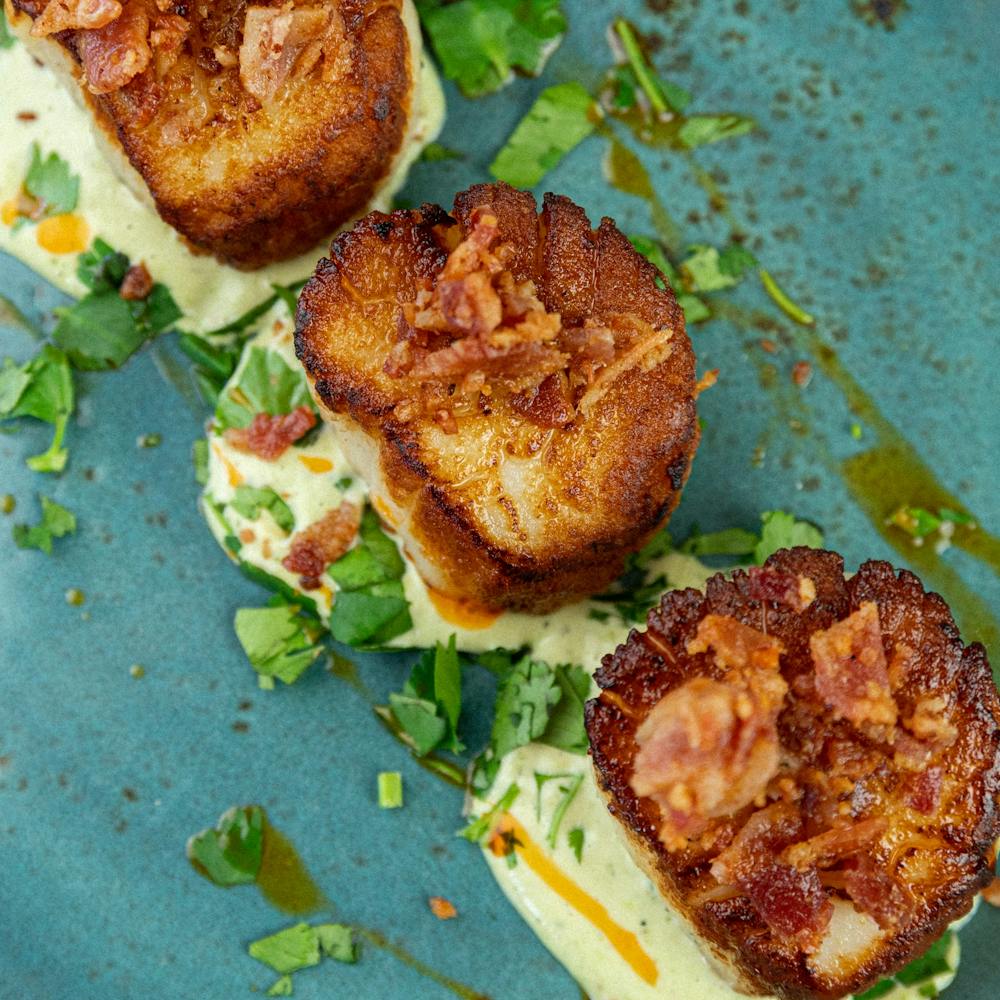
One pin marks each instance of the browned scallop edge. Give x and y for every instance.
(297, 195)
(641, 679)
(494, 575)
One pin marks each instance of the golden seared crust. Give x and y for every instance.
(254, 183)
(929, 793)
(499, 509)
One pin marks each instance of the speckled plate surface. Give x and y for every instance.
(866, 190)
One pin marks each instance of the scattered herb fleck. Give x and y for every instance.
(230, 853)
(251, 500)
(783, 302)
(430, 703)
(390, 790)
(559, 120)
(149, 440)
(278, 641)
(75, 597)
(575, 838)
(435, 152)
(56, 522)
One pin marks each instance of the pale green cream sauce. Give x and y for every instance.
(210, 296)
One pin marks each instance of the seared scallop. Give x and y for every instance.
(806, 766)
(517, 389)
(257, 129)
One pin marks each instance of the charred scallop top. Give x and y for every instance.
(791, 744)
(214, 88)
(529, 369)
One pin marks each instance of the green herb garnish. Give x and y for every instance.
(56, 522)
(303, 945)
(103, 330)
(435, 152)
(783, 302)
(780, 530)
(664, 96)
(700, 130)
(429, 706)
(41, 388)
(567, 792)
(230, 853)
(480, 43)
(480, 827)
(6, 38)
(50, 181)
(575, 839)
(370, 607)
(278, 641)
(939, 960)
(266, 385)
(561, 118)
(251, 500)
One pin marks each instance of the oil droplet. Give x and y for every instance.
(137, 671)
(8, 503)
(463, 613)
(63, 234)
(75, 597)
(283, 879)
(346, 670)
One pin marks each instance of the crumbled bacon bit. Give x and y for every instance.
(706, 381)
(66, 15)
(930, 721)
(136, 284)
(876, 892)
(26, 116)
(279, 42)
(322, 543)
(269, 437)
(851, 671)
(925, 790)
(796, 591)
(706, 749)
(119, 51)
(737, 646)
(840, 841)
(442, 908)
(802, 373)
(768, 345)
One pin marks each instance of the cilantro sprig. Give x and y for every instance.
(559, 120)
(301, 947)
(49, 187)
(230, 853)
(56, 522)
(428, 708)
(266, 385)
(41, 388)
(480, 44)
(103, 330)
(251, 500)
(279, 642)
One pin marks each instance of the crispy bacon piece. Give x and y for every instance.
(707, 749)
(876, 824)
(851, 670)
(70, 15)
(136, 284)
(797, 592)
(269, 437)
(322, 543)
(115, 54)
(278, 41)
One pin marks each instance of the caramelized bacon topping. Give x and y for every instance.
(797, 592)
(851, 671)
(269, 437)
(70, 15)
(116, 53)
(136, 284)
(736, 646)
(280, 41)
(322, 543)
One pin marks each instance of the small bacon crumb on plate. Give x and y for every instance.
(442, 908)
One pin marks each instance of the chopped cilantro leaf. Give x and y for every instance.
(278, 642)
(289, 950)
(390, 790)
(635, 591)
(480, 827)
(435, 152)
(103, 330)
(699, 130)
(251, 500)
(214, 364)
(41, 388)
(575, 839)
(567, 792)
(728, 542)
(695, 309)
(430, 703)
(370, 607)
(230, 853)
(56, 522)
(282, 987)
(663, 96)
(703, 270)
(6, 38)
(266, 385)
(479, 43)
(50, 181)
(736, 260)
(561, 117)
(336, 941)
(780, 530)
(921, 975)
(199, 459)
(565, 729)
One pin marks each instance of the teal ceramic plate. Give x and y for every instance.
(866, 191)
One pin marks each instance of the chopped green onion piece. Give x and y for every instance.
(783, 302)
(390, 790)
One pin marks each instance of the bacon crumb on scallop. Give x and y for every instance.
(516, 388)
(257, 129)
(807, 766)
